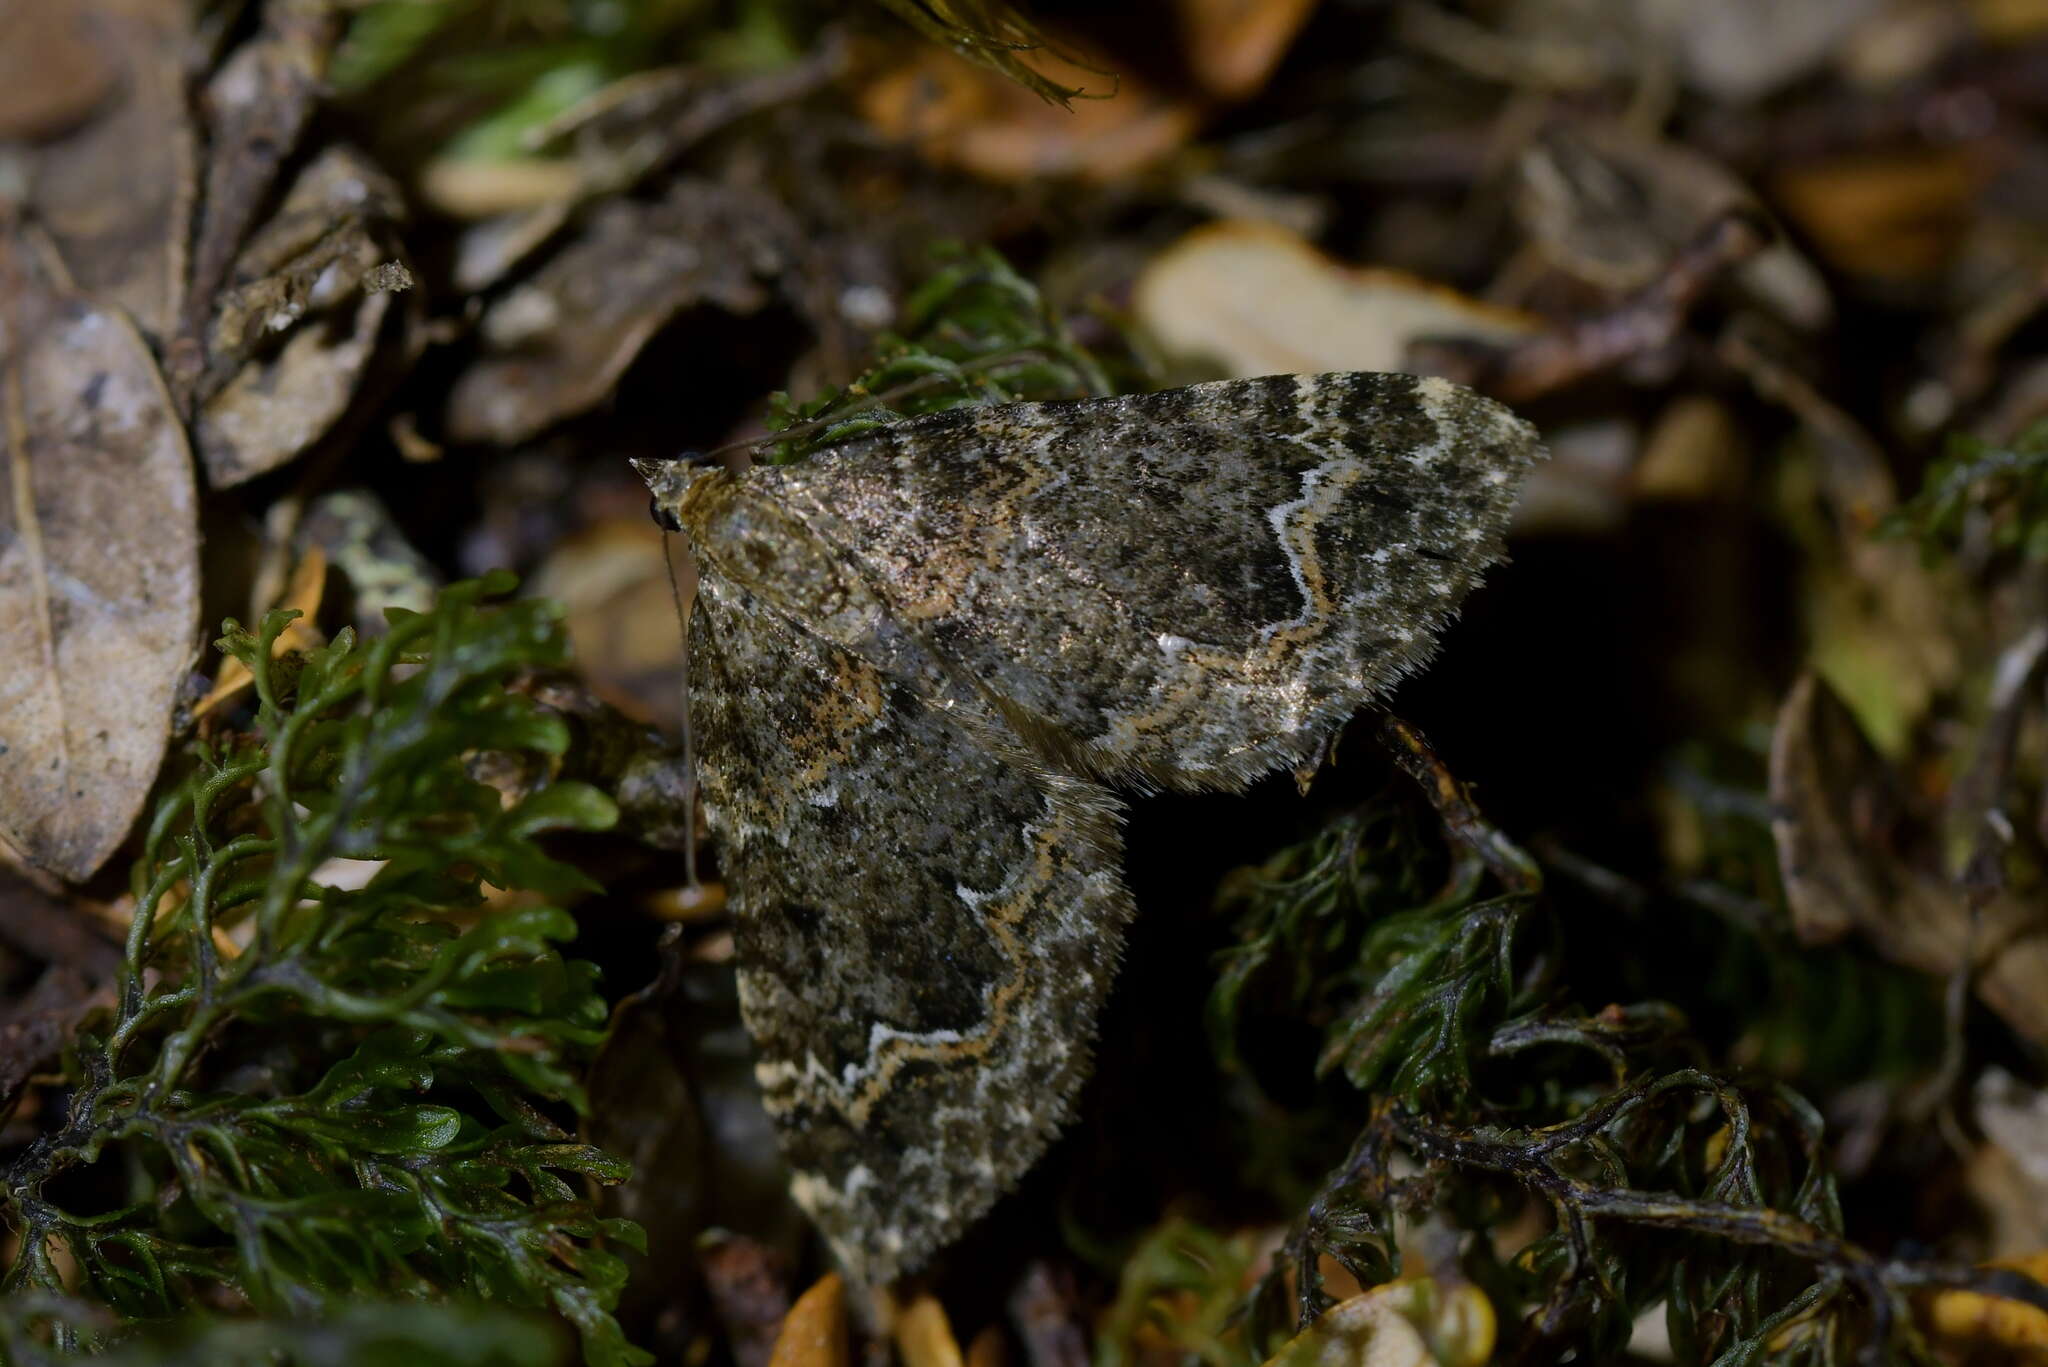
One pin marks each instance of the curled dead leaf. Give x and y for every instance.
(99, 567)
(1835, 804)
(1256, 299)
(557, 344)
(1841, 857)
(255, 107)
(318, 272)
(1614, 207)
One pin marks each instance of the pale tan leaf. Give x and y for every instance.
(99, 567)
(1254, 299)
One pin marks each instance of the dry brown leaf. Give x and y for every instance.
(1614, 207)
(1837, 832)
(1232, 46)
(1408, 1323)
(1898, 215)
(924, 1337)
(304, 591)
(1835, 803)
(613, 585)
(116, 192)
(255, 107)
(814, 1332)
(306, 273)
(52, 73)
(963, 115)
(99, 567)
(557, 344)
(1255, 299)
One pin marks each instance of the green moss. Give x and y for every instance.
(309, 1092)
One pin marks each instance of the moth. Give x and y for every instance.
(923, 664)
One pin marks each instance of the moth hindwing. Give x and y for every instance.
(922, 659)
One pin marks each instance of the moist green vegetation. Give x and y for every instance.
(1708, 1192)
(308, 1091)
(975, 332)
(1982, 496)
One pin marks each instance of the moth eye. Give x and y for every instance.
(663, 518)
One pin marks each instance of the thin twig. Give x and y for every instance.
(1462, 818)
(1646, 321)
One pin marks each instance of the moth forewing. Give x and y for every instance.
(928, 653)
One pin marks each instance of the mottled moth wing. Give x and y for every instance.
(1184, 588)
(915, 655)
(924, 931)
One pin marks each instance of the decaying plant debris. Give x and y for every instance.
(1664, 979)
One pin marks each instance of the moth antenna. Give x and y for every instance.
(675, 590)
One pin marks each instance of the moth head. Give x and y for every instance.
(668, 483)
(752, 538)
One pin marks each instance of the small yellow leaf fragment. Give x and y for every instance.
(813, 1333)
(924, 1337)
(703, 902)
(308, 584)
(1989, 1326)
